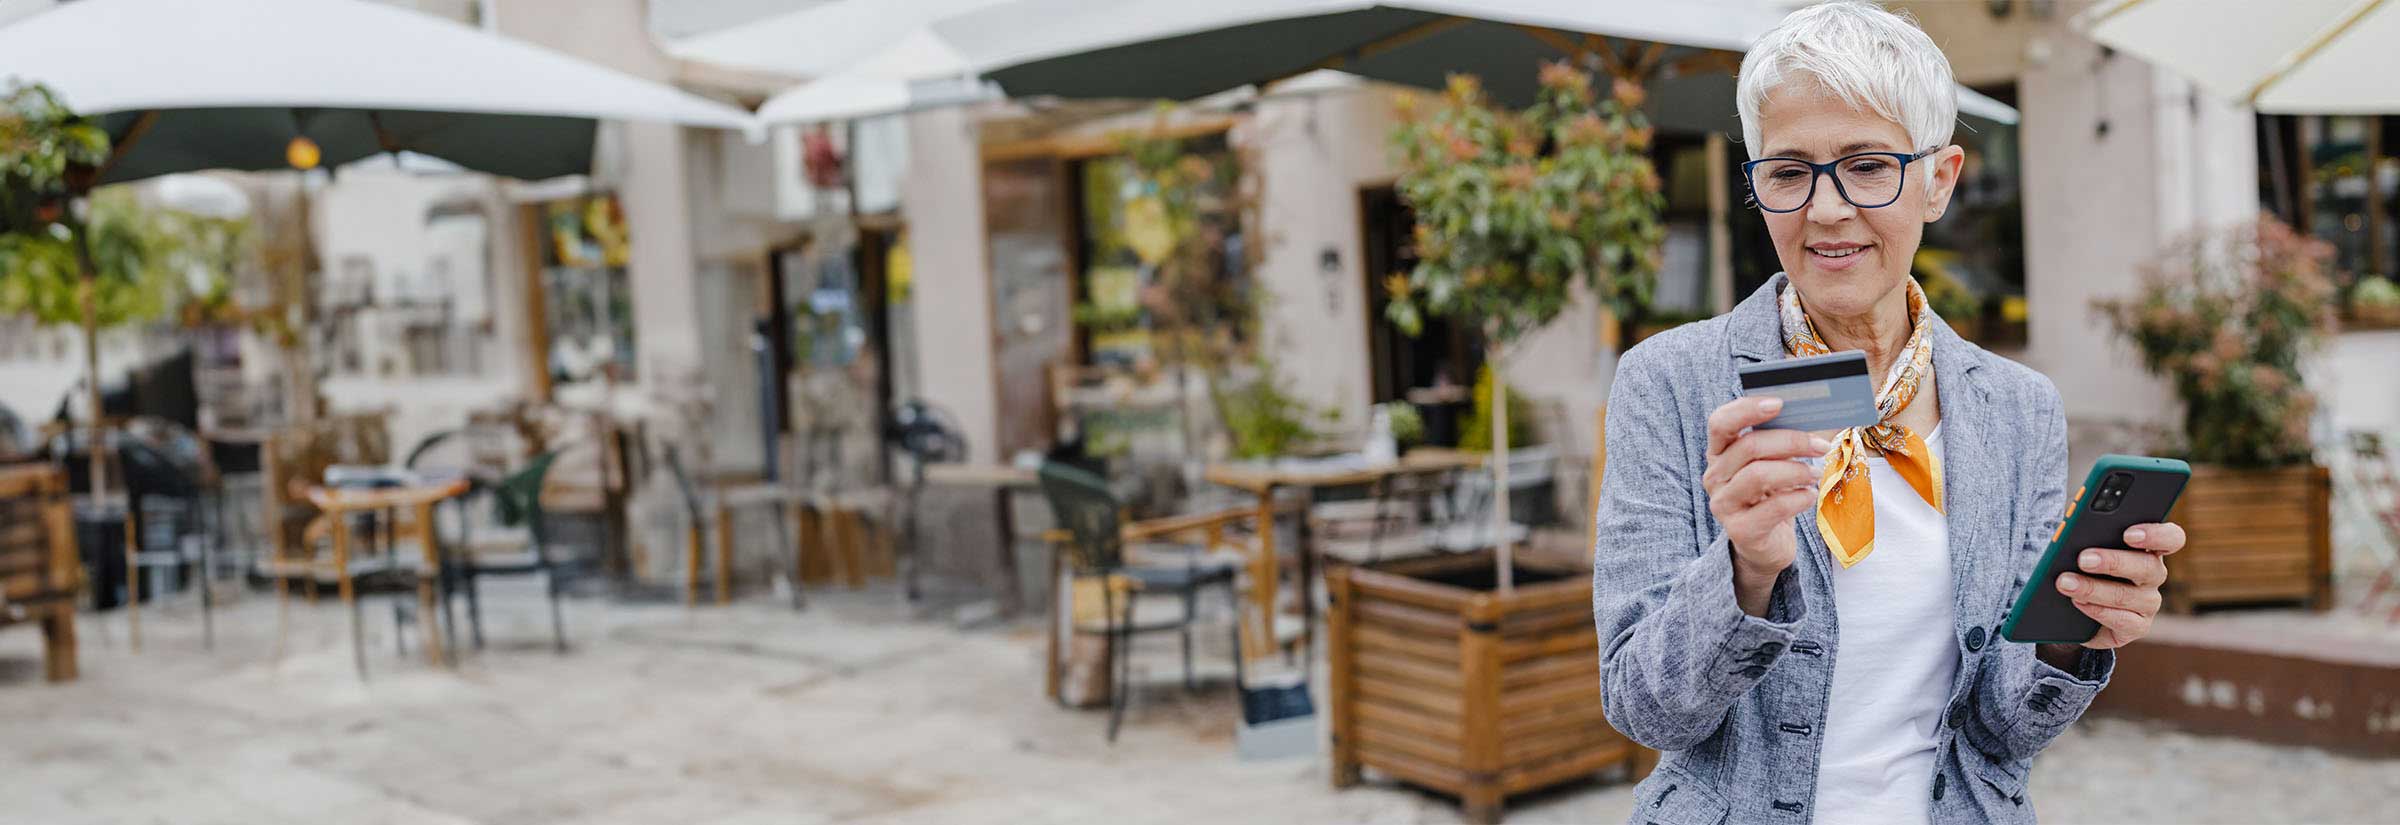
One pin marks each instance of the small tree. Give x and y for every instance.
(44, 149)
(1514, 208)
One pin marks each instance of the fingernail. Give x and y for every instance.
(2070, 583)
(2091, 559)
(2135, 534)
(1771, 404)
(1820, 445)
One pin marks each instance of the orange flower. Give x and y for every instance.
(1462, 149)
(1517, 176)
(1404, 104)
(1463, 88)
(1476, 275)
(1587, 129)
(1639, 139)
(1522, 146)
(1628, 93)
(1396, 285)
(1561, 219)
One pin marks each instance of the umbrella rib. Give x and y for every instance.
(2309, 52)
(117, 147)
(2120, 8)
(1392, 41)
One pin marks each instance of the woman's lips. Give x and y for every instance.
(1841, 259)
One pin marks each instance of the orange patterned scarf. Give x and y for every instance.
(1845, 498)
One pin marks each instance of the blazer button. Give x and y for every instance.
(1958, 715)
(1939, 780)
(1974, 639)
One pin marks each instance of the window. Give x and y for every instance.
(2334, 178)
(588, 299)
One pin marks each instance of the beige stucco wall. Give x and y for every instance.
(942, 204)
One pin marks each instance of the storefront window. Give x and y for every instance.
(588, 299)
(1130, 233)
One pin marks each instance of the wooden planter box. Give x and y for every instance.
(2255, 536)
(41, 574)
(1438, 680)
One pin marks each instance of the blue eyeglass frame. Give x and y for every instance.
(1825, 170)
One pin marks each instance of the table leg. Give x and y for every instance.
(1262, 578)
(425, 579)
(349, 592)
(133, 578)
(724, 554)
(1012, 598)
(1308, 587)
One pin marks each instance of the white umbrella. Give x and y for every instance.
(919, 71)
(2283, 57)
(1180, 49)
(191, 85)
(820, 40)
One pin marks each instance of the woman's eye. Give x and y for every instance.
(1867, 167)
(1786, 174)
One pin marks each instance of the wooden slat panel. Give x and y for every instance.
(1392, 667)
(1528, 721)
(1585, 641)
(1384, 639)
(1373, 586)
(21, 527)
(1526, 625)
(1545, 775)
(1530, 672)
(19, 586)
(1412, 769)
(1407, 618)
(1568, 592)
(1402, 717)
(1571, 690)
(1545, 745)
(1443, 704)
(1384, 738)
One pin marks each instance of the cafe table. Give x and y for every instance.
(1263, 479)
(417, 497)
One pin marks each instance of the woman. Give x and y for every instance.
(1807, 624)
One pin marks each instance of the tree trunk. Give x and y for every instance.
(89, 294)
(1504, 555)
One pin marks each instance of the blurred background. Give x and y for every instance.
(462, 411)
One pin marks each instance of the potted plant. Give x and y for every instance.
(1465, 673)
(2227, 318)
(2375, 302)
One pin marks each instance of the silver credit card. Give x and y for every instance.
(1822, 392)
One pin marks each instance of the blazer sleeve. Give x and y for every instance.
(1676, 650)
(2023, 702)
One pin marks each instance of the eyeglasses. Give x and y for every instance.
(1868, 180)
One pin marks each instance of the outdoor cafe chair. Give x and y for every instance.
(1096, 538)
(516, 502)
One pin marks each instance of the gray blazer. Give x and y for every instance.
(1736, 701)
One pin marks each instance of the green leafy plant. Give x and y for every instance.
(2376, 300)
(1408, 425)
(1476, 433)
(2226, 318)
(1263, 419)
(1513, 209)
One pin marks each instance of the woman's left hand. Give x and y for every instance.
(2123, 610)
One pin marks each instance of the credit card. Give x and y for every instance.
(1822, 392)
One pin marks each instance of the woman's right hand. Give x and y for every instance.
(1755, 488)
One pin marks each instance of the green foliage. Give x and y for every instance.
(1264, 420)
(1408, 425)
(147, 261)
(2227, 319)
(41, 143)
(1476, 433)
(1512, 208)
(2377, 292)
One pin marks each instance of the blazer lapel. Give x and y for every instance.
(1975, 497)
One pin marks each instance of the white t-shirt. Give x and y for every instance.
(1894, 664)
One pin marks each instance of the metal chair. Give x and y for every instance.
(516, 500)
(1096, 541)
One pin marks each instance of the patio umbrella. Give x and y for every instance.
(186, 85)
(919, 71)
(1176, 49)
(2287, 57)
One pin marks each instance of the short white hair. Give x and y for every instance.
(1872, 59)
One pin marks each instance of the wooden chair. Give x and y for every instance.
(40, 573)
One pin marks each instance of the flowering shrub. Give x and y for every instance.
(2226, 318)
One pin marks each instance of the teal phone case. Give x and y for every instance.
(2044, 615)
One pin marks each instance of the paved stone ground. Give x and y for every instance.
(848, 712)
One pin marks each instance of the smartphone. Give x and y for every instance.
(2120, 492)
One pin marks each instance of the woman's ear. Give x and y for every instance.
(1946, 165)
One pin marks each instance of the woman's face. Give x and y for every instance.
(1844, 259)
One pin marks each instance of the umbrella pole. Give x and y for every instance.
(89, 294)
